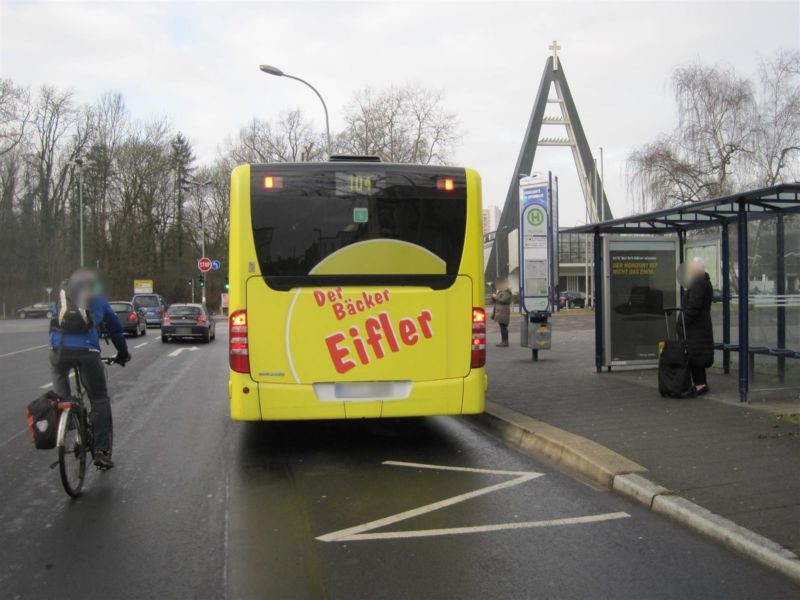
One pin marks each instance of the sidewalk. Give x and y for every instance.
(741, 461)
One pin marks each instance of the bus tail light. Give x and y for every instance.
(237, 345)
(446, 184)
(271, 182)
(478, 358)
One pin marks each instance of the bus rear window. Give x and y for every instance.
(303, 214)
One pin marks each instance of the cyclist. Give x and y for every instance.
(81, 309)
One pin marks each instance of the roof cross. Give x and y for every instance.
(555, 47)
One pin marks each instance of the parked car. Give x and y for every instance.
(154, 307)
(188, 321)
(133, 320)
(40, 309)
(572, 300)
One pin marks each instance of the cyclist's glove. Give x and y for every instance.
(122, 357)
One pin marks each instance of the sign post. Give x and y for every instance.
(536, 261)
(204, 264)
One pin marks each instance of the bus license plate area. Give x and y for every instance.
(362, 391)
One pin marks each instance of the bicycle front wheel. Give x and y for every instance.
(72, 451)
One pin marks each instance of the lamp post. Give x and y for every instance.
(201, 184)
(270, 70)
(79, 164)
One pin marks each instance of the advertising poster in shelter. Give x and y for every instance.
(641, 284)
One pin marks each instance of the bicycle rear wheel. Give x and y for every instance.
(72, 451)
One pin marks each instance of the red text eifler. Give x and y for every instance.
(378, 337)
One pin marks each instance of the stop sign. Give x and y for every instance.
(204, 264)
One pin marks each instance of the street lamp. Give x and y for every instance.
(270, 70)
(201, 184)
(80, 163)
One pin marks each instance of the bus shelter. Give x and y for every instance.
(723, 213)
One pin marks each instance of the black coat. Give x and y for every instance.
(697, 315)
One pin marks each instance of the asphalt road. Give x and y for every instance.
(200, 507)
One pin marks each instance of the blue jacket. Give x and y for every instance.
(101, 313)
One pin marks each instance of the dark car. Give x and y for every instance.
(133, 320)
(40, 309)
(572, 300)
(154, 307)
(188, 321)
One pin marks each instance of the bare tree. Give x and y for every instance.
(289, 139)
(400, 124)
(731, 134)
(14, 114)
(715, 122)
(776, 139)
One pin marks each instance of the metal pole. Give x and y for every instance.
(681, 260)
(324, 107)
(726, 300)
(496, 258)
(602, 185)
(203, 251)
(598, 303)
(602, 169)
(192, 286)
(586, 269)
(80, 204)
(780, 290)
(743, 303)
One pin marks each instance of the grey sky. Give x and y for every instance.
(196, 62)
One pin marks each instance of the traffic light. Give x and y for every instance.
(227, 285)
(202, 281)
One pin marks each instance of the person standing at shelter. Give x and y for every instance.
(502, 297)
(697, 321)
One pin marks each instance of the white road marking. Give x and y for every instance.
(399, 463)
(142, 344)
(49, 384)
(393, 535)
(359, 532)
(12, 438)
(25, 350)
(177, 351)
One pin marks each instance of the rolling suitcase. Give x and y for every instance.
(674, 374)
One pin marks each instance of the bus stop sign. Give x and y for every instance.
(535, 245)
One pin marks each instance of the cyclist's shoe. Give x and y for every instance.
(102, 460)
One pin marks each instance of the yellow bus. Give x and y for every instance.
(356, 290)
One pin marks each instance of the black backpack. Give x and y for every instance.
(73, 315)
(42, 419)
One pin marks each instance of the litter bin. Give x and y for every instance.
(536, 333)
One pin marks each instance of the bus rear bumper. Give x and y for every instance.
(252, 401)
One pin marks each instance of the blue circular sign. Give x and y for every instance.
(215, 265)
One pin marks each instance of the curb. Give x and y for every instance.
(574, 452)
(622, 476)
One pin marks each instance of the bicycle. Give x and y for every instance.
(74, 439)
